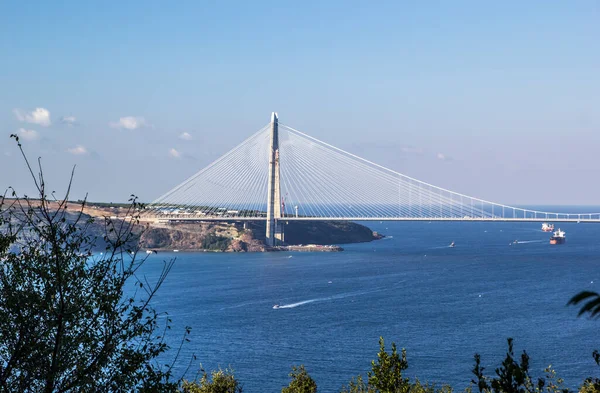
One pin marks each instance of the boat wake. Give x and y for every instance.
(528, 241)
(335, 297)
(241, 305)
(294, 305)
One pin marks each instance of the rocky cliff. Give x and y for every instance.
(201, 236)
(234, 237)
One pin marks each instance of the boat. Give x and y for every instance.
(547, 227)
(451, 244)
(276, 306)
(558, 237)
(175, 250)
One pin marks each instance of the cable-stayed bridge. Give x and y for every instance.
(280, 173)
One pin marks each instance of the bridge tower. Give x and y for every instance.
(274, 228)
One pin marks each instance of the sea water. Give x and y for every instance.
(443, 304)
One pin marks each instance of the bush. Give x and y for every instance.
(221, 381)
(215, 242)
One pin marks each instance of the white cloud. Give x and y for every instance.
(78, 150)
(186, 136)
(174, 153)
(39, 116)
(443, 157)
(28, 135)
(68, 120)
(129, 122)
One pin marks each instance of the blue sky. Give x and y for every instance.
(495, 100)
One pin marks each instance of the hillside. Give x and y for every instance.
(217, 236)
(232, 237)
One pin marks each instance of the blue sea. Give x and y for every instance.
(443, 304)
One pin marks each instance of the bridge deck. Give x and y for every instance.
(474, 219)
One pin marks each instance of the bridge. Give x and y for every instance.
(281, 174)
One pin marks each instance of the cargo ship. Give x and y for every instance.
(558, 237)
(547, 227)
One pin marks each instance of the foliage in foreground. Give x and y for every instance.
(386, 376)
(511, 377)
(72, 320)
(591, 303)
(220, 381)
(514, 376)
(301, 382)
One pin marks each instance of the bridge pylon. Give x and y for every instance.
(274, 233)
(320, 182)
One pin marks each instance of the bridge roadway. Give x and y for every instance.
(458, 219)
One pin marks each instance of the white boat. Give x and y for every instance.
(276, 306)
(547, 227)
(175, 250)
(451, 244)
(558, 237)
(148, 251)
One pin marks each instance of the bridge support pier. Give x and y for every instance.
(274, 234)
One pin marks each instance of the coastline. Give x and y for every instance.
(322, 236)
(234, 236)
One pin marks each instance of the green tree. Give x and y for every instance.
(220, 381)
(356, 385)
(301, 382)
(590, 386)
(72, 320)
(514, 377)
(386, 373)
(418, 387)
